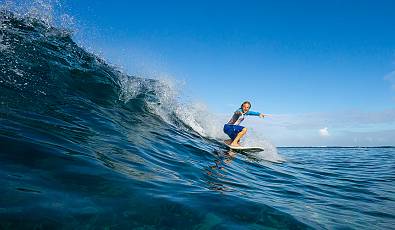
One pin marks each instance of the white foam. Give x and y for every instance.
(255, 138)
(170, 103)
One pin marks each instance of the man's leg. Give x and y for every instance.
(238, 137)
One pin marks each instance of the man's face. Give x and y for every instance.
(246, 107)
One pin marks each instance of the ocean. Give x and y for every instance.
(84, 145)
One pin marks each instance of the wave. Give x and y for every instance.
(85, 145)
(79, 138)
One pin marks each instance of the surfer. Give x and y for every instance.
(233, 128)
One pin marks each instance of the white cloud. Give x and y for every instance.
(324, 132)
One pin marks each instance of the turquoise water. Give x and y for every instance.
(83, 145)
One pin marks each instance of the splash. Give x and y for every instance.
(165, 98)
(255, 138)
(50, 13)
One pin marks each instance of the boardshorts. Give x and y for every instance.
(232, 130)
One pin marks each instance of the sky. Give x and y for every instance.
(324, 69)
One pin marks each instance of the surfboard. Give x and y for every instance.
(245, 148)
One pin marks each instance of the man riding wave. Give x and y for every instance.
(233, 128)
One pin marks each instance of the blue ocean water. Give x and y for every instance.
(83, 145)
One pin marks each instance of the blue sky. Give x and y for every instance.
(285, 57)
(325, 63)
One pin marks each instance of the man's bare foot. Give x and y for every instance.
(228, 142)
(235, 144)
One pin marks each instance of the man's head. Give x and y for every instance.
(245, 106)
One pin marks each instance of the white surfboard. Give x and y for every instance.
(246, 148)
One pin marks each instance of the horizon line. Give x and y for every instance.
(383, 146)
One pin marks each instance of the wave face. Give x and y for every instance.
(83, 145)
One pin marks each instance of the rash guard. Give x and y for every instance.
(239, 116)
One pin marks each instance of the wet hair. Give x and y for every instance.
(246, 102)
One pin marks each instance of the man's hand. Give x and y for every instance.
(261, 115)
